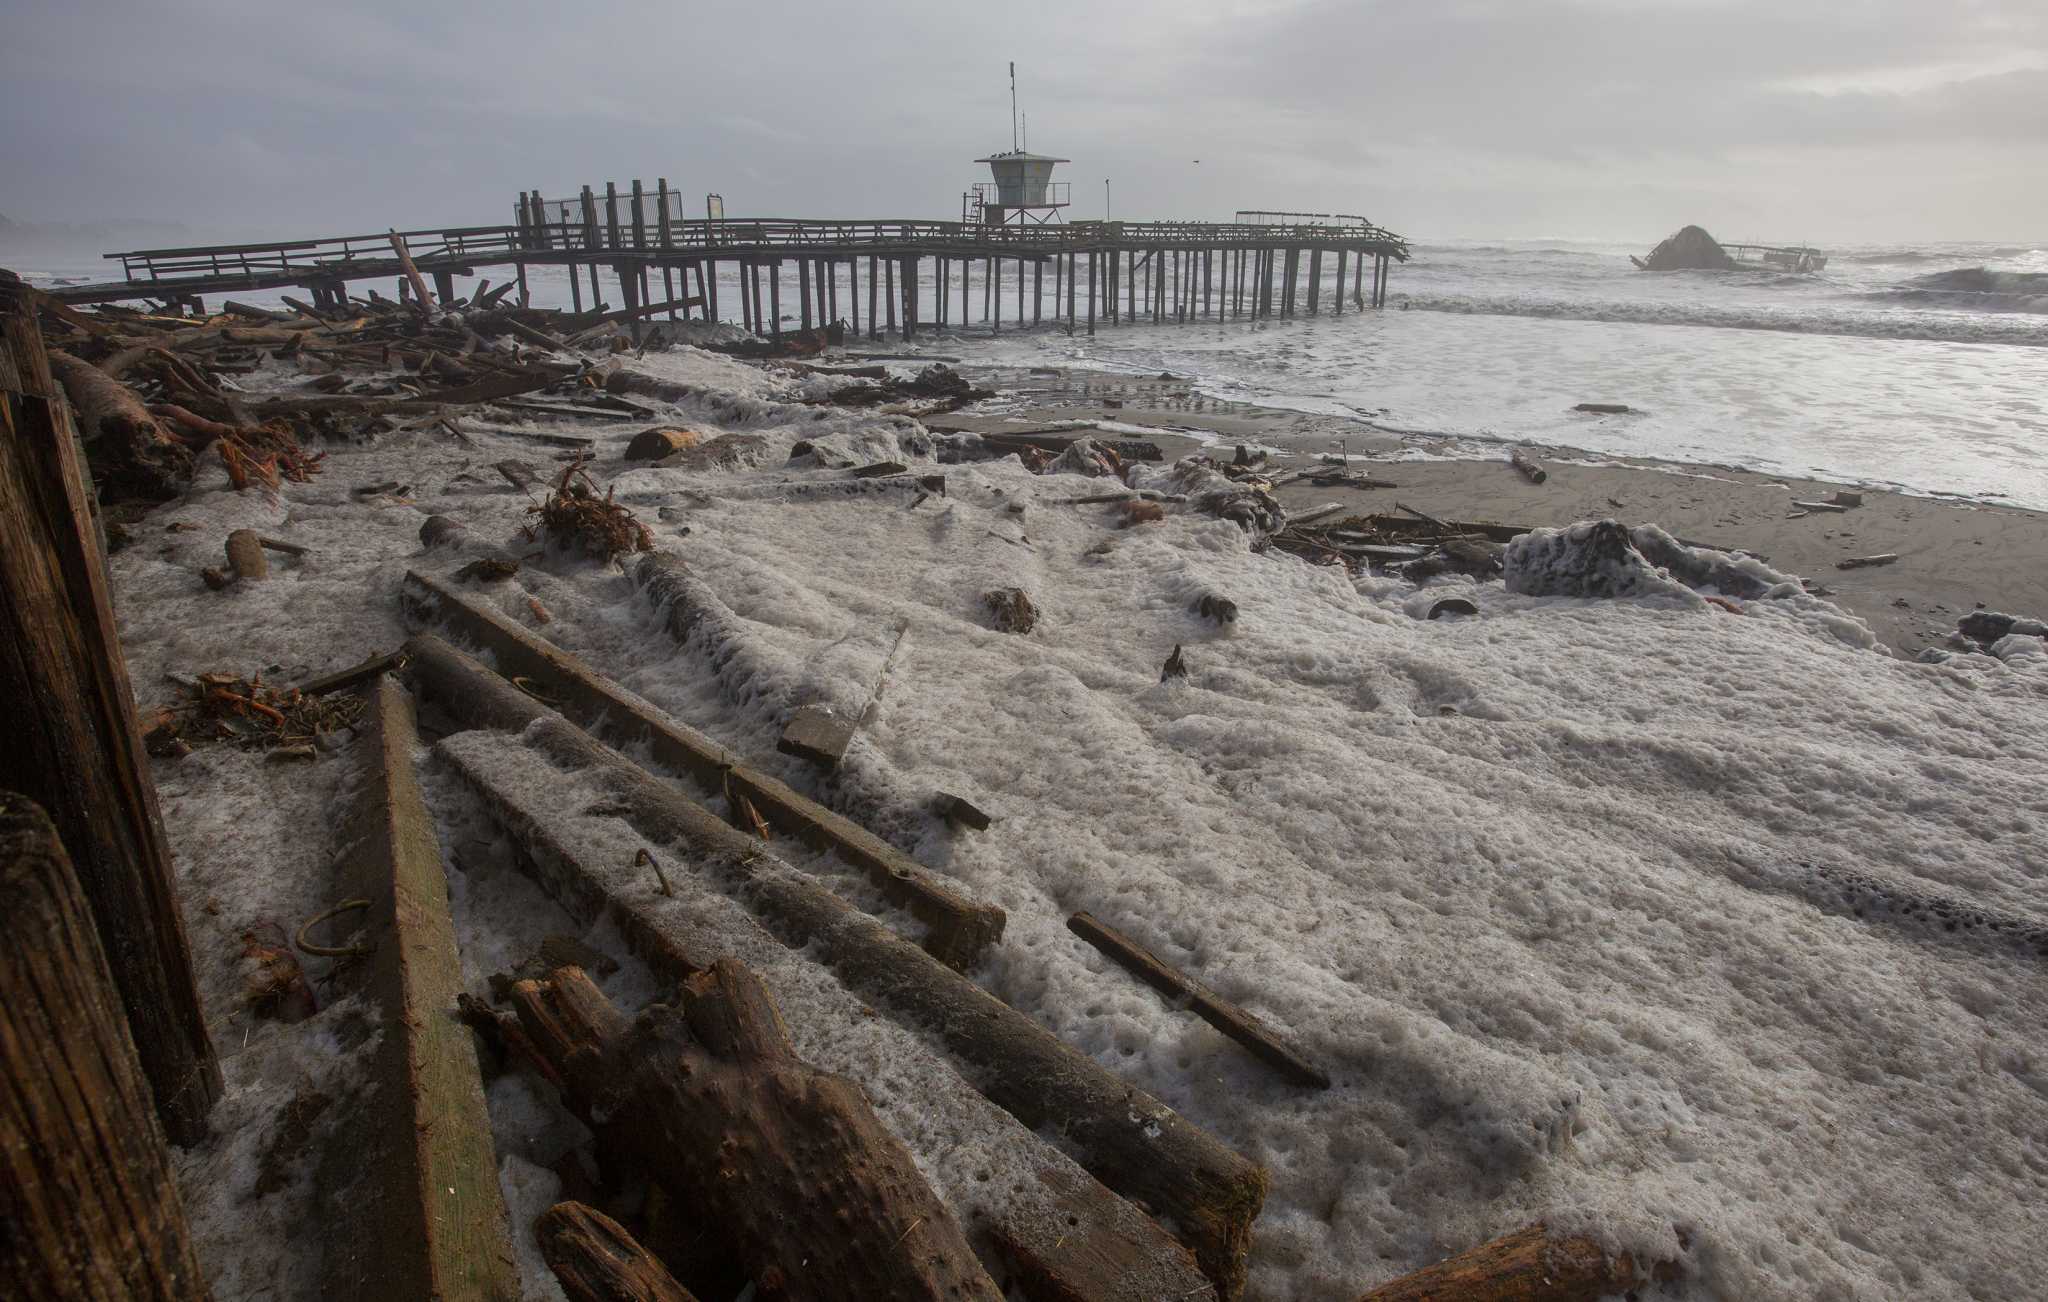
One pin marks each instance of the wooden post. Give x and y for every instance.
(803, 284)
(1315, 281)
(589, 219)
(639, 217)
(707, 287)
(1020, 293)
(853, 293)
(611, 215)
(909, 297)
(995, 287)
(1037, 291)
(520, 267)
(966, 294)
(889, 294)
(775, 297)
(92, 1205)
(1337, 300)
(662, 224)
(73, 745)
(629, 289)
(1091, 291)
(1358, 279)
(1070, 293)
(596, 292)
(575, 290)
(1208, 277)
(874, 280)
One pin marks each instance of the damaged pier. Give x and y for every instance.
(915, 273)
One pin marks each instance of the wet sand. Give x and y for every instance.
(1954, 555)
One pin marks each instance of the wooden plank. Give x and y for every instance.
(412, 273)
(73, 745)
(1530, 1265)
(412, 1180)
(92, 1205)
(1129, 1140)
(960, 931)
(1265, 1044)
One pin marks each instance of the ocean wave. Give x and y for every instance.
(1983, 280)
(1958, 327)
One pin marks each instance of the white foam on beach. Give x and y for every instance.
(1498, 875)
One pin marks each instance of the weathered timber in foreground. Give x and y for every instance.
(789, 1162)
(1265, 1044)
(412, 1180)
(1065, 1236)
(595, 1260)
(91, 1206)
(132, 453)
(1129, 1140)
(73, 745)
(1529, 1265)
(960, 930)
(245, 555)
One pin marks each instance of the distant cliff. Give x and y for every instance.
(1692, 249)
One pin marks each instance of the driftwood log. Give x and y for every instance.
(1528, 465)
(245, 555)
(1263, 1041)
(90, 1204)
(1530, 1265)
(595, 1260)
(73, 744)
(960, 930)
(1127, 1139)
(821, 1202)
(132, 454)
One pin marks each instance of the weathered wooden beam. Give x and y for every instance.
(960, 930)
(412, 273)
(73, 745)
(1265, 1044)
(92, 1206)
(1127, 1139)
(1530, 1265)
(412, 1183)
(1066, 1237)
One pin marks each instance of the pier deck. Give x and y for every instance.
(1111, 270)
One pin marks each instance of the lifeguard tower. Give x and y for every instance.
(1023, 192)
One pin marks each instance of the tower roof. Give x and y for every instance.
(1019, 156)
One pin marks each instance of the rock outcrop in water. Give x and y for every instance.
(1692, 249)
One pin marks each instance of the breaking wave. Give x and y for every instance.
(1949, 327)
(1974, 289)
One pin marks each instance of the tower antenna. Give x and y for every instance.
(1013, 106)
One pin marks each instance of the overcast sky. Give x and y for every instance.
(1597, 119)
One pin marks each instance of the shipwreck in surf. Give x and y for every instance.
(1692, 249)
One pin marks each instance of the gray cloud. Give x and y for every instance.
(1607, 118)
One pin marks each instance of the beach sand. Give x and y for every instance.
(1954, 555)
